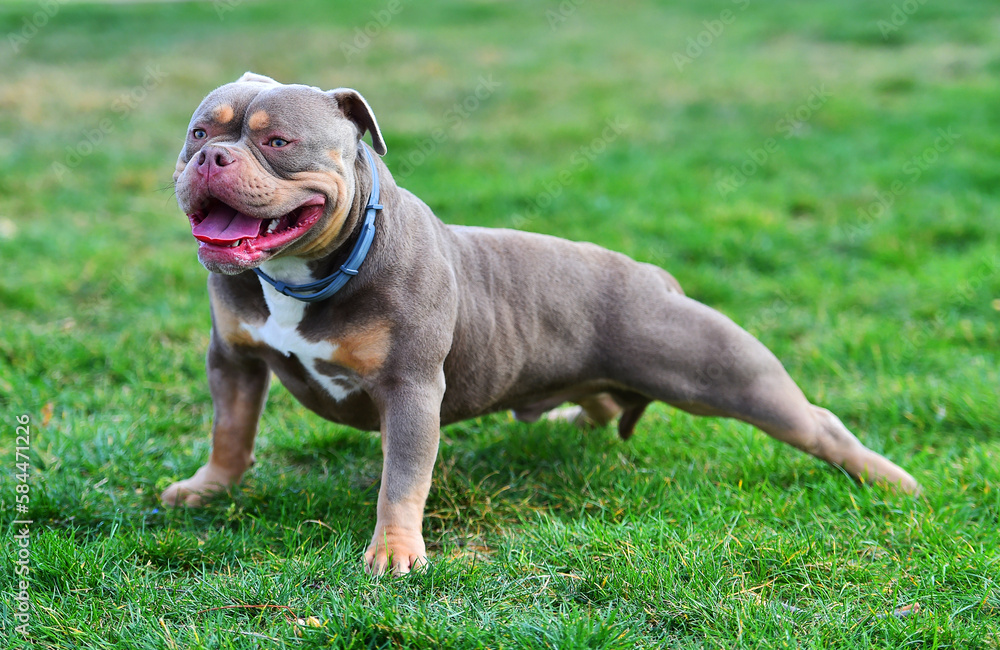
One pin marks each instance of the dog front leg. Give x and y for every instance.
(410, 424)
(239, 389)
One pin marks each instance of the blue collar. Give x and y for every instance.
(331, 284)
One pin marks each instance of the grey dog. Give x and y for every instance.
(383, 318)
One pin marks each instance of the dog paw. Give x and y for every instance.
(194, 491)
(873, 468)
(903, 483)
(395, 550)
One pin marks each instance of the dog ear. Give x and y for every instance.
(356, 109)
(258, 78)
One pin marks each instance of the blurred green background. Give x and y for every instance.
(824, 173)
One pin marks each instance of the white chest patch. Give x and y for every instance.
(280, 331)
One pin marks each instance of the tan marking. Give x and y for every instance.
(223, 113)
(228, 325)
(335, 186)
(335, 157)
(259, 120)
(179, 167)
(364, 350)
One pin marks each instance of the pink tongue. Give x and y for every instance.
(224, 225)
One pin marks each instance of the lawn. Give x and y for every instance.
(826, 174)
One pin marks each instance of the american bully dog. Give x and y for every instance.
(375, 314)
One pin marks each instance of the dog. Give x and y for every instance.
(375, 314)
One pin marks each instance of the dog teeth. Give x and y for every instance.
(272, 226)
(236, 243)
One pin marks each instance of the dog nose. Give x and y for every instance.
(210, 159)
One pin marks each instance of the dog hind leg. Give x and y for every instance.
(588, 412)
(694, 358)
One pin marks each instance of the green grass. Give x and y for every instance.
(695, 533)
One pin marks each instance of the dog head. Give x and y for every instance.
(267, 169)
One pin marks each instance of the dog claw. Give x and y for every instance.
(379, 566)
(398, 553)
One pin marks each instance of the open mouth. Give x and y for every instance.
(224, 231)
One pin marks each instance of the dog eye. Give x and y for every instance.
(277, 142)
(199, 134)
